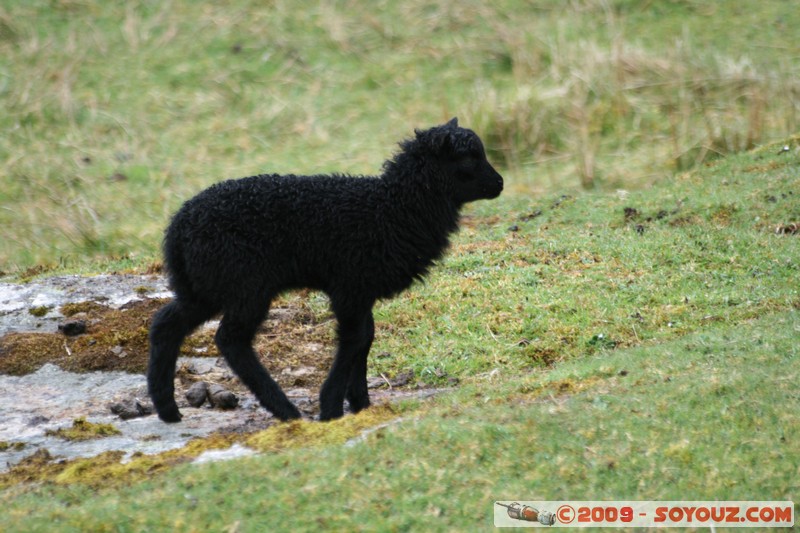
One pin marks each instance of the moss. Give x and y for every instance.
(23, 353)
(33, 272)
(16, 446)
(567, 386)
(304, 433)
(294, 336)
(82, 429)
(38, 466)
(40, 311)
(106, 470)
(74, 308)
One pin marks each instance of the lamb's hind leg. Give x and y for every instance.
(170, 326)
(234, 339)
(355, 338)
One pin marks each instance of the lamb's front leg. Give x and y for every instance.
(356, 331)
(357, 392)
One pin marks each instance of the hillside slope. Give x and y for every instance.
(616, 345)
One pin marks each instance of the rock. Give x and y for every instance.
(401, 379)
(222, 398)
(71, 328)
(376, 382)
(200, 367)
(197, 393)
(532, 215)
(119, 351)
(133, 408)
(298, 372)
(37, 420)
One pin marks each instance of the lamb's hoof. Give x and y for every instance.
(170, 414)
(358, 404)
(331, 415)
(287, 414)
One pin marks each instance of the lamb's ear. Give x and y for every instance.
(453, 123)
(437, 139)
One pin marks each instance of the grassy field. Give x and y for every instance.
(622, 323)
(712, 416)
(602, 353)
(114, 113)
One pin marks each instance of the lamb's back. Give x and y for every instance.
(296, 230)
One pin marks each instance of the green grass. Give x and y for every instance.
(115, 113)
(653, 357)
(712, 416)
(546, 293)
(622, 321)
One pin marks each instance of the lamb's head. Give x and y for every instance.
(460, 159)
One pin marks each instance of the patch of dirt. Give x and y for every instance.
(115, 339)
(792, 228)
(86, 349)
(474, 221)
(295, 346)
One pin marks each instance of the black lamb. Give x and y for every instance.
(237, 245)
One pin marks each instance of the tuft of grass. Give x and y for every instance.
(4, 445)
(39, 311)
(308, 434)
(82, 429)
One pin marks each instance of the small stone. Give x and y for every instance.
(38, 420)
(119, 351)
(222, 398)
(399, 380)
(532, 215)
(71, 328)
(298, 372)
(403, 378)
(197, 394)
(200, 367)
(376, 382)
(298, 392)
(133, 408)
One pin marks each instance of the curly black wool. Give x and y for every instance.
(235, 246)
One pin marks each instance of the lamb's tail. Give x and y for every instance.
(175, 263)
